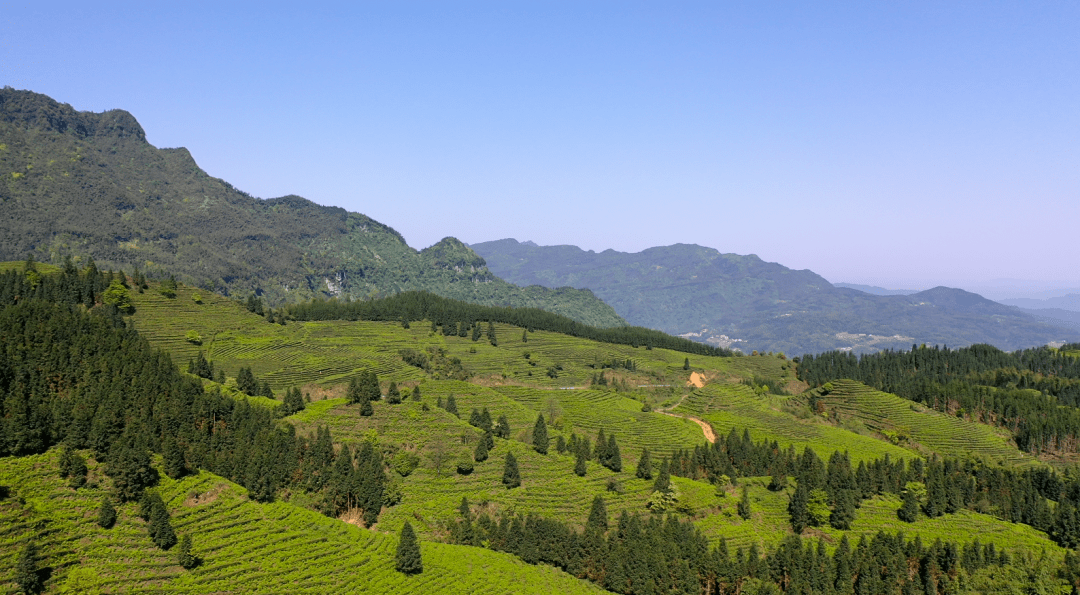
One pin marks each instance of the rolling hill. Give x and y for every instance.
(747, 303)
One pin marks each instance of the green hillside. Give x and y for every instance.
(85, 184)
(691, 411)
(246, 547)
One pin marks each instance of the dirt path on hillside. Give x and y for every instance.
(706, 429)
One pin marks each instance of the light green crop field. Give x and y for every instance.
(586, 412)
(246, 547)
(329, 353)
(917, 427)
(735, 406)
(42, 267)
(549, 485)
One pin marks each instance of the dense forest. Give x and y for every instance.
(83, 378)
(463, 318)
(1034, 393)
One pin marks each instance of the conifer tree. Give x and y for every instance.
(843, 513)
(130, 469)
(393, 395)
(598, 516)
(743, 507)
(909, 509)
(26, 570)
(560, 444)
(540, 436)
(525, 336)
(491, 334)
(77, 471)
(663, 478)
(161, 531)
(476, 332)
(353, 394)
(600, 455)
(797, 508)
(511, 476)
(502, 430)
(408, 559)
(614, 459)
(293, 402)
(106, 513)
(173, 457)
(686, 364)
(451, 405)
(481, 453)
(416, 393)
(579, 464)
(184, 556)
(67, 456)
(644, 466)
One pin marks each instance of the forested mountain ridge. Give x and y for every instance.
(747, 303)
(81, 183)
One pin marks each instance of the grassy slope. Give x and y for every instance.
(332, 352)
(768, 523)
(926, 430)
(247, 547)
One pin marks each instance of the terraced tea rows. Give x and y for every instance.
(918, 427)
(769, 525)
(588, 411)
(333, 352)
(735, 406)
(549, 486)
(246, 547)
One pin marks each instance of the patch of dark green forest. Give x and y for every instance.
(82, 377)
(1034, 393)
(462, 319)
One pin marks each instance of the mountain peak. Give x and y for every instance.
(34, 110)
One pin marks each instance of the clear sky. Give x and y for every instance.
(903, 144)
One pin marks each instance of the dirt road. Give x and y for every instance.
(706, 429)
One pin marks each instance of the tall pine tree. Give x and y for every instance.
(408, 559)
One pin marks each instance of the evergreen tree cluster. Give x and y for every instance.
(292, 403)
(202, 367)
(356, 484)
(1034, 393)
(1014, 495)
(364, 391)
(96, 384)
(421, 305)
(249, 385)
(666, 555)
(152, 510)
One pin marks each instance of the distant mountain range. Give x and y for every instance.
(1070, 302)
(87, 184)
(747, 303)
(874, 290)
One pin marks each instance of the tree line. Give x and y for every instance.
(458, 318)
(84, 378)
(1033, 393)
(655, 554)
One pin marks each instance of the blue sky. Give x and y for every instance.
(901, 144)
